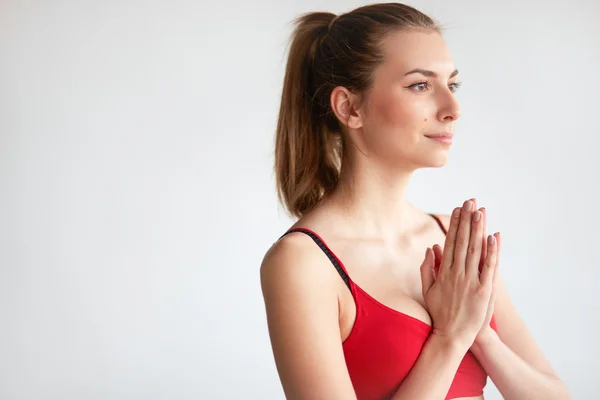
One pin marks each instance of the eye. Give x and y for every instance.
(455, 86)
(426, 85)
(420, 86)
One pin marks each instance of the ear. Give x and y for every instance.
(344, 105)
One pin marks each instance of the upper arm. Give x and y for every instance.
(303, 321)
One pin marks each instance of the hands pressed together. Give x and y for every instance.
(458, 280)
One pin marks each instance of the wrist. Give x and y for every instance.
(484, 338)
(450, 345)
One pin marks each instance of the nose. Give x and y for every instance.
(449, 109)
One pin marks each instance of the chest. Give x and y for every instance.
(390, 274)
(388, 277)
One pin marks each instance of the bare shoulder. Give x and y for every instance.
(293, 260)
(301, 302)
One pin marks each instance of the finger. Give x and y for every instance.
(484, 247)
(462, 238)
(427, 278)
(438, 253)
(474, 200)
(483, 238)
(499, 245)
(474, 249)
(498, 240)
(495, 273)
(448, 256)
(487, 274)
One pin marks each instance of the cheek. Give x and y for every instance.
(396, 119)
(392, 110)
(394, 124)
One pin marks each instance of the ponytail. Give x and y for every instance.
(306, 155)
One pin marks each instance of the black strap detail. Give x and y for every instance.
(327, 252)
(437, 219)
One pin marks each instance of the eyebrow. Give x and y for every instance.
(429, 73)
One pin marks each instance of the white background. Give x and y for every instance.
(137, 195)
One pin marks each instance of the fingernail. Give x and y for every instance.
(491, 240)
(476, 216)
(468, 205)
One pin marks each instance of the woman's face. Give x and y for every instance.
(412, 98)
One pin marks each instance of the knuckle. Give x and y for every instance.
(443, 276)
(466, 215)
(461, 241)
(456, 278)
(468, 282)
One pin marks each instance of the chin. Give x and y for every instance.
(438, 161)
(419, 159)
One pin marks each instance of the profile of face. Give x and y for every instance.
(410, 101)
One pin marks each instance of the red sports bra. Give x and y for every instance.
(384, 343)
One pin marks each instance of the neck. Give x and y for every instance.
(375, 198)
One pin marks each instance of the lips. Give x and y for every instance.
(441, 135)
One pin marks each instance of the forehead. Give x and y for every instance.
(406, 50)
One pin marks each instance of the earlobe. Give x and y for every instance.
(355, 120)
(343, 106)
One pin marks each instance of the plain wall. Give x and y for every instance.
(137, 195)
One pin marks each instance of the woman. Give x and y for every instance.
(354, 309)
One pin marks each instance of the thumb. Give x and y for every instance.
(427, 278)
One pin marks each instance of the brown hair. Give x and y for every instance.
(327, 51)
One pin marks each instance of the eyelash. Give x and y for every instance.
(453, 86)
